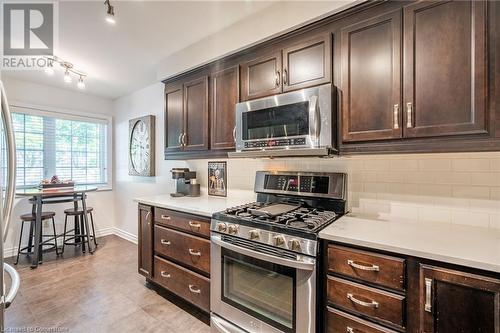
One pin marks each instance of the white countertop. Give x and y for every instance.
(204, 205)
(462, 245)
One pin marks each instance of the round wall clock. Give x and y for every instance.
(141, 146)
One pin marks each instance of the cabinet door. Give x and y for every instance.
(261, 77)
(196, 114)
(225, 95)
(454, 301)
(174, 119)
(145, 240)
(307, 64)
(371, 79)
(445, 68)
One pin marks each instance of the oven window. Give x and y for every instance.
(262, 289)
(279, 121)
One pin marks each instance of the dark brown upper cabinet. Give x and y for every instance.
(225, 95)
(307, 64)
(174, 117)
(186, 108)
(145, 240)
(371, 79)
(445, 68)
(261, 77)
(455, 301)
(196, 114)
(301, 65)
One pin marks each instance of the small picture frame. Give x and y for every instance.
(217, 178)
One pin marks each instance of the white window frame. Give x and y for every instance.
(78, 115)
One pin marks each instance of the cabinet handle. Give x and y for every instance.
(184, 139)
(165, 274)
(147, 216)
(180, 139)
(409, 115)
(428, 294)
(374, 268)
(277, 78)
(165, 242)
(371, 304)
(194, 224)
(396, 116)
(285, 76)
(234, 133)
(194, 253)
(194, 289)
(165, 217)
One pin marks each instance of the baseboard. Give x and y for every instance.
(12, 251)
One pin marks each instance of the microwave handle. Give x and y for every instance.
(314, 109)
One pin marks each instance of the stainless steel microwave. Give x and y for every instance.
(298, 123)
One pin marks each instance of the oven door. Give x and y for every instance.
(261, 291)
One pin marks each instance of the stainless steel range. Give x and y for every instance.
(264, 254)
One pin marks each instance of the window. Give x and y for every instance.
(71, 147)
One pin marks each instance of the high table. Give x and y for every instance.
(40, 197)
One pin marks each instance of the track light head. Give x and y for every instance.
(110, 13)
(80, 84)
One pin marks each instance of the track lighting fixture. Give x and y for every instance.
(68, 69)
(110, 13)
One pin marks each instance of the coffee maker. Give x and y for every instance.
(186, 184)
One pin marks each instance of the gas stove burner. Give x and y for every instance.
(243, 214)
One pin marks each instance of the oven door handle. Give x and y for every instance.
(302, 263)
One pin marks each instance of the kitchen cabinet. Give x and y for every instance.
(261, 77)
(176, 247)
(374, 291)
(301, 65)
(445, 69)
(225, 94)
(145, 240)
(371, 79)
(456, 301)
(186, 108)
(434, 86)
(174, 117)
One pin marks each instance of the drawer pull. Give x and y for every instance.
(165, 217)
(194, 253)
(194, 290)
(194, 224)
(371, 304)
(165, 274)
(428, 295)
(373, 268)
(165, 242)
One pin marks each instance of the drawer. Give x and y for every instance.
(376, 303)
(190, 223)
(367, 266)
(183, 282)
(341, 322)
(184, 248)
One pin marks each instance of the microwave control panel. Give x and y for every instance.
(275, 143)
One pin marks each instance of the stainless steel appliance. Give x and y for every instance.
(7, 190)
(298, 123)
(264, 254)
(186, 184)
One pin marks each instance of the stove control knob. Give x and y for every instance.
(294, 244)
(279, 240)
(254, 234)
(232, 229)
(221, 227)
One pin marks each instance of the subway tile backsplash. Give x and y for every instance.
(440, 188)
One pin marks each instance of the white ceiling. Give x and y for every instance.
(122, 58)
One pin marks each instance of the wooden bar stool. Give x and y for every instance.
(80, 235)
(31, 217)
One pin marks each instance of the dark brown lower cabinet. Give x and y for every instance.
(174, 253)
(145, 240)
(455, 301)
(437, 297)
